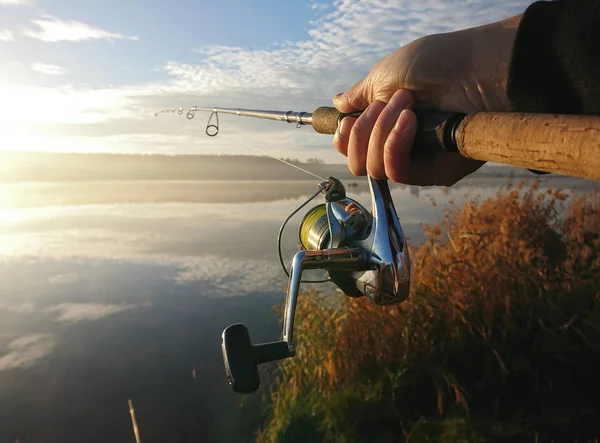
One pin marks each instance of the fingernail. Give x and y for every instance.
(403, 125)
(399, 126)
(339, 94)
(344, 125)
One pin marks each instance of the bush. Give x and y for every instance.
(499, 340)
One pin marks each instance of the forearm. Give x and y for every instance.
(494, 43)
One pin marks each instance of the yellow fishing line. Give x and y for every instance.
(309, 220)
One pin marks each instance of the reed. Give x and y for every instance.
(499, 340)
(136, 431)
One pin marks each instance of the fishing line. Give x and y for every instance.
(312, 197)
(285, 222)
(212, 129)
(291, 164)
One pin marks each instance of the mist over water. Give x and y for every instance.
(118, 290)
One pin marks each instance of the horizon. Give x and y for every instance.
(312, 160)
(87, 77)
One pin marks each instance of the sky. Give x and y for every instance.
(88, 76)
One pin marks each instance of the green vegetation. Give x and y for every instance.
(499, 340)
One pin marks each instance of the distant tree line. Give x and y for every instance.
(40, 166)
(43, 166)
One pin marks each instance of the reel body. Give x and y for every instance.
(365, 253)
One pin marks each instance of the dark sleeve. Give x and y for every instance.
(555, 65)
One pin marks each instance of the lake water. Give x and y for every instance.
(120, 290)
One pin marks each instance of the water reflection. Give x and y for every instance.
(112, 291)
(22, 352)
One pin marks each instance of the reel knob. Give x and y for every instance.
(241, 357)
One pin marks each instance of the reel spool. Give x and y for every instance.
(314, 229)
(364, 253)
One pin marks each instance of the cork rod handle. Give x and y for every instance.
(561, 144)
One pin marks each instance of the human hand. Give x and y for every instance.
(463, 71)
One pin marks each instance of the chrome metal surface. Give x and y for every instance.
(388, 283)
(345, 224)
(344, 221)
(342, 259)
(301, 118)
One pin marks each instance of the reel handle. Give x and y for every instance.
(435, 132)
(241, 357)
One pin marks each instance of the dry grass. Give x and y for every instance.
(499, 340)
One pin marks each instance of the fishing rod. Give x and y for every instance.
(562, 144)
(364, 252)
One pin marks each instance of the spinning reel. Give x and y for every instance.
(364, 253)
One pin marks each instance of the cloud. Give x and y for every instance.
(24, 308)
(48, 69)
(64, 279)
(68, 313)
(75, 104)
(25, 351)
(343, 44)
(7, 36)
(17, 2)
(52, 29)
(318, 6)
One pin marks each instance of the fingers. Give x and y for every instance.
(378, 143)
(383, 130)
(354, 99)
(397, 147)
(352, 208)
(341, 137)
(358, 142)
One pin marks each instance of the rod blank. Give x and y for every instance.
(562, 144)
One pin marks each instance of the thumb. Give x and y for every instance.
(354, 99)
